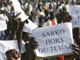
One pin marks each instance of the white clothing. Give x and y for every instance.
(26, 4)
(36, 21)
(49, 23)
(6, 18)
(67, 7)
(40, 13)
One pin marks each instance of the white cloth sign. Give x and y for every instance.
(57, 38)
(7, 45)
(75, 13)
(23, 16)
(29, 27)
(18, 9)
(2, 18)
(3, 25)
(17, 6)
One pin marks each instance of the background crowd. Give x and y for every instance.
(42, 14)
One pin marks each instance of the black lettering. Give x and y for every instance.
(62, 47)
(66, 47)
(75, 22)
(45, 49)
(77, 11)
(41, 50)
(78, 16)
(59, 47)
(48, 34)
(51, 48)
(47, 42)
(52, 33)
(55, 48)
(61, 39)
(70, 46)
(43, 34)
(53, 40)
(62, 31)
(50, 41)
(57, 40)
(57, 32)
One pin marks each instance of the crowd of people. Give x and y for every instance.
(42, 14)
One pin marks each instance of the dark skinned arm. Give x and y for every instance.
(15, 27)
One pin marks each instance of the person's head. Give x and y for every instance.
(33, 16)
(67, 18)
(73, 3)
(66, 3)
(64, 9)
(57, 6)
(46, 12)
(38, 3)
(41, 20)
(12, 8)
(27, 37)
(40, 10)
(5, 4)
(50, 6)
(60, 10)
(51, 15)
(28, 3)
(44, 2)
(11, 16)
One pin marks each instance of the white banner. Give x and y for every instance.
(3, 25)
(29, 27)
(7, 45)
(18, 9)
(75, 13)
(17, 6)
(54, 40)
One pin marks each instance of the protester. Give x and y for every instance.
(52, 20)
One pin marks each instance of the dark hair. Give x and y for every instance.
(38, 5)
(50, 6)
(64, 9)
(51, 15)
(46, 12)
(40, 10)
(41, 18)
(66, 3)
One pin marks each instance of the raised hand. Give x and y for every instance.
(12, 54)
